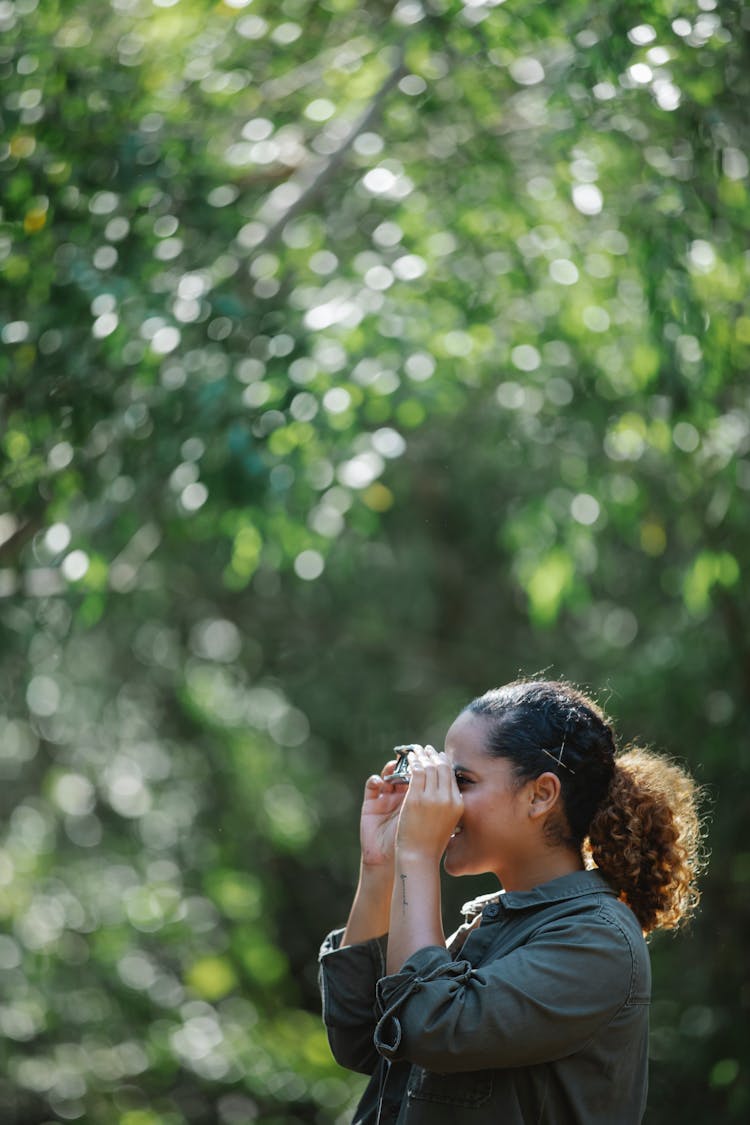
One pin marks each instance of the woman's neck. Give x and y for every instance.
(539, 868)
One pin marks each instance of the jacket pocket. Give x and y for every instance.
(467, 1089)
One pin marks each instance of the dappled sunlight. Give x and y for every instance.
(353, 358)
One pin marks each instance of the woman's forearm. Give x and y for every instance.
(370, 910)
(415, 917)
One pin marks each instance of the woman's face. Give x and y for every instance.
(495, 832)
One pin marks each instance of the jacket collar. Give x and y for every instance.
(575, 885)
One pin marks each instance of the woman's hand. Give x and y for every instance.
(431, 810)
(370, 910)
(379, 819)
(432, 807)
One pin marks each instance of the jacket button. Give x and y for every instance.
(492, 910)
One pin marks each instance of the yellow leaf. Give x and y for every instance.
(35, 220)
(547, 585)
(211, 977)
(22, 145)
(378, 497)
(709, 569)
(653, 538)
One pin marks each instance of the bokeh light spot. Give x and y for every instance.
(309, 565)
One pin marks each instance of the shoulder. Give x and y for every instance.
(601, 936)
(624, 929)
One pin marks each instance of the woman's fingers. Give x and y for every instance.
(432, 806)
(448, 775)
(379, 785)
(420, 782)
(433, 772)
(440, 769)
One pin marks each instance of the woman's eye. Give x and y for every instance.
(461, 779)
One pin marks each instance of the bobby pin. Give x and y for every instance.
(558, 760)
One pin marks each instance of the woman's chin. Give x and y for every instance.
(452, 864)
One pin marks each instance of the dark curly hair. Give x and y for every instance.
(634, 815)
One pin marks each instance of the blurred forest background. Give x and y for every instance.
(356, 358)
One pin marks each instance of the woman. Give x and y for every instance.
(536, 1010)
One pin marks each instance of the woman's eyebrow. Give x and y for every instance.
(463, 769)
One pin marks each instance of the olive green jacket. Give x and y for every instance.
(538, 1014)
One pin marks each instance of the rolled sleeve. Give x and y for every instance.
(348, 978)
(540, 1002)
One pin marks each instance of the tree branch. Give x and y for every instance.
(14, 544)
(331, 166)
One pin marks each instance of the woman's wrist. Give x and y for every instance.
(370, 911)
(415, 917)
(416, 858)
(376, 887)
(376, 873)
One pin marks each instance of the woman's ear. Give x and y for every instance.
(543, 794)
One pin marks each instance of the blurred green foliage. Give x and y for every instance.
(355, 358)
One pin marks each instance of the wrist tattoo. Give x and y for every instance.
(404, 903)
